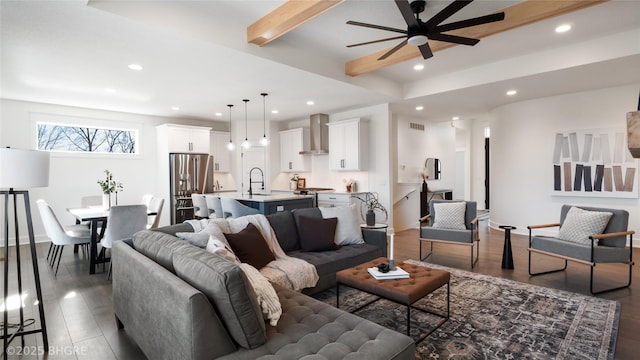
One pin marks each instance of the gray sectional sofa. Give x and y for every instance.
(178, 301)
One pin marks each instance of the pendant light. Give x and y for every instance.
(230, 145)
(264, 141)
(246, 144)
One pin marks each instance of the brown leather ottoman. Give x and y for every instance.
(421, 282)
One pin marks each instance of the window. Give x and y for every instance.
(77, 138)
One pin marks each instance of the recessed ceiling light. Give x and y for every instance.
(175, 108)
(419, 107)
(218, 114)
(418, 67)
(110, 90)
(511, 92)
(455, 118)
(135, 67)
(274, 111)
(310, 102)
(563, 28)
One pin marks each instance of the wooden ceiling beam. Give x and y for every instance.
(521, 14)
(285, 18)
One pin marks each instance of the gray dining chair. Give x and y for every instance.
(201, 211)
(123, 221)
(215, 206)
(61, 235)
(234, 208)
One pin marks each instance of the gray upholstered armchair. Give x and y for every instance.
(608, 245)
(446, 224)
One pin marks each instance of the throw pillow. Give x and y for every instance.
(265, 293)
(229, 291)
(221, 249)
(317, 234)
(348, 230)
(250, 247)
(284, 226)
(579, 224)
(449, 215)
(198, 239)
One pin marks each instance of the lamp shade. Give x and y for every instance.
(23, 169)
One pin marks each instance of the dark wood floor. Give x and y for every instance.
(81, 325)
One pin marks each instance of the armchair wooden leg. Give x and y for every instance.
(477, 246)
(545, 272)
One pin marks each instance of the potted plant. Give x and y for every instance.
(371, 203)
(108, 186)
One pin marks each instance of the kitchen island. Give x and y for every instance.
(269, 203)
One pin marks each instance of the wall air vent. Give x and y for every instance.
(416, 126)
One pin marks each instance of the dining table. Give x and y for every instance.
(97, 217)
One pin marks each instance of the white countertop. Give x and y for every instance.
(266, 197)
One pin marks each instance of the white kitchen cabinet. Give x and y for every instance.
(291, 143)
(348, 145)
(332, 199)
(185, 139)
(221, 155)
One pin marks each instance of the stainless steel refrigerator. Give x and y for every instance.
(190, 173)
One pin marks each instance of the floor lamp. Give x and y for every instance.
(21, 169)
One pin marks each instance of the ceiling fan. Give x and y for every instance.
(418, 32)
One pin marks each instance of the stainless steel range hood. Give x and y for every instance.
(319, 135)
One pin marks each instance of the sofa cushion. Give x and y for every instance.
(250, 247)
(229, 291)
(284, 225)
(579, 224)
(328, 262)
(348, 230)
(312, 212)
(311, 329)
(317, 234)
(199, 239)
(450, 215)
(159, 246)
(221, 249)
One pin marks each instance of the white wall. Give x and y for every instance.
(75, 176)
(521, 144)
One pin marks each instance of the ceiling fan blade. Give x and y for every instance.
(379, 27)
(470, 22)
(377, 41)
(396, 48)
(407, 12)
(425, 50)
(453, 39)
(445, 13)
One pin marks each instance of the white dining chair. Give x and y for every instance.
(154, 206)
(61, 235)
(215, 206)
(200, 209)
(234, 208)
(123, 221)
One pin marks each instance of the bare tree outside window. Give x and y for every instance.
(86, 139)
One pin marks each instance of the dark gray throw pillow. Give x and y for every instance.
(250, 247)
(284, 226)
(229, 291)
(317, 234)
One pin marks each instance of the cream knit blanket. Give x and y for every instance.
(290, 272)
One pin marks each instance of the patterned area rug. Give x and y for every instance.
(494, 318)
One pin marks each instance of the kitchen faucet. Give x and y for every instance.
(251, 179)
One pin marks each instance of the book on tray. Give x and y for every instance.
(398, 273)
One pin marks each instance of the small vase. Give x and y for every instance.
(349, 188)
(371, 218)
(106, 201)
(293, 185)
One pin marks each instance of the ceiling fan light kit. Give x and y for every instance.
(419, 32)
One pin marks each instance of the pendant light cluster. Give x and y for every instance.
(246, 143)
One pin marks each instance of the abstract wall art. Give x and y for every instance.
(593, 163)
